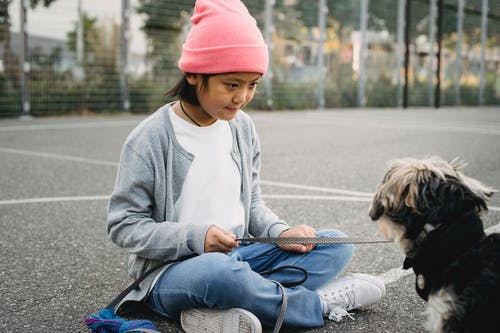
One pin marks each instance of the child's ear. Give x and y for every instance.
(192, 79)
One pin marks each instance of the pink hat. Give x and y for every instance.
(224, 38)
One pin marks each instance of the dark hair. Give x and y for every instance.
(187, 92)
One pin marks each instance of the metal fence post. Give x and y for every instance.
(362, 54)
(437, 91)
(24, 61)
(399, 49)
(430, 69)
(268, 36)
(482, 67)
(407, 52)
(322, 11)
(80, 46)
(79, 70)
(458, 63)
(124, 56)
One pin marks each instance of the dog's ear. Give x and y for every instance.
(444, 198)
(435, 199)
(469, 194)
(476, 194)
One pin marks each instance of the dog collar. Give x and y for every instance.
(438, 247)
(419, 240)
(428, 228)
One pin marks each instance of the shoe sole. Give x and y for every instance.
(233, 320)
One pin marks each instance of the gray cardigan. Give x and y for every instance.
(152, 170)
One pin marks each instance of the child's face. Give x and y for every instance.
(225, 94)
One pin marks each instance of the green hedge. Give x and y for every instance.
(10, 99)
(76, 97)
(70, 97)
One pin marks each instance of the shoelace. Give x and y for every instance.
(336, 313)
(342, 300)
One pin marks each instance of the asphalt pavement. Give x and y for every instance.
(319, 168)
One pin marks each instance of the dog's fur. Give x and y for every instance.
(431, 210)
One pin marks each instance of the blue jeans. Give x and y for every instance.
(222, 281)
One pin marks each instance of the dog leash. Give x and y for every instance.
(275, 240)
(312, 240)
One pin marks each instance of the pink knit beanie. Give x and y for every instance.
(224, 38)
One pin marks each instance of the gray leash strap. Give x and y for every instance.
(284, 305)
(311, 240)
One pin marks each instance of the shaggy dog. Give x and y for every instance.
(432, 211)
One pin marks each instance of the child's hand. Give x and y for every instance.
(219, 240)
(302, 230)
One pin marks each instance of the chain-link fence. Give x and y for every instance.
(78, 56)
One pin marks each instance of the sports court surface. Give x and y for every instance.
(319, 167)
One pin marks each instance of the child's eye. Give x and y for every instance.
(232, 85)
(254, 84)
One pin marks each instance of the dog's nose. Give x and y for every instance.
(376, 211)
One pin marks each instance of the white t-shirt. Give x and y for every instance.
(211, 192)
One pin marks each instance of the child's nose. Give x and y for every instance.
(240, 96)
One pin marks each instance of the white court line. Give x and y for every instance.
(362, 196)
(265, 196)
(315, 197)
(315, 188)
(53, 199)
(352, 195)
(57, 156)
(115, 164)
(42, 127)
(263, 182)
(106, 197)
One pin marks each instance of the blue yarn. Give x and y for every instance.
(107, 322)
(131, 324)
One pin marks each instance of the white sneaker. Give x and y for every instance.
(350, 292)
(234, 320)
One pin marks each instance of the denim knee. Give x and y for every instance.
(225, 279)
(344, 251)
(347, 250)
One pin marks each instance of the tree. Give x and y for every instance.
(101, 45)
(7, 58)
(164, 26)
(89, 28)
